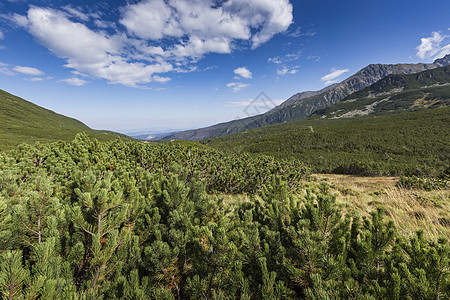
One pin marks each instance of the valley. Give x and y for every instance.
(300, 106)
(341, 193)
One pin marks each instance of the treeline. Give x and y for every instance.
(90, 220)
(409, 144)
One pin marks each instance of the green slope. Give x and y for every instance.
(395, 94)
(413, 143)
(24, 122)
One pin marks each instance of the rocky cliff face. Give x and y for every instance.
(302, 105)
(442, 62)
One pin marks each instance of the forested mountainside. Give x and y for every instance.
(128, 220)
(412, 143)
(302, 105)
(22, 121)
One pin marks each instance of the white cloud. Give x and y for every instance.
(74, 81)
(285, 71)
(160, 89)
(243, 72)
(208, 22)
(161, 35)
(28, 71)
(285, 63)
(186, 70)
(431, 48)
(35, 79)
(20, 20)
(314, 58)
(286, 58)
(75, 12)
(10, 70)
(89, 52)
(6, 71)
(161, 79)
(150, 20)
(2, 36)
(237, 86)
(332, 77)
(276, 60)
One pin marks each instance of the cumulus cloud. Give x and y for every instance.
(333, 76)
(87, 51)
(237, 86)
(28, 71)
(432, 48)
(160, 35)
(243, 72)
(207, 21)
(74, 81)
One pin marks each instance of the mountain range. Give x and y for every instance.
(302, 105)
(394, 94)
(396, 126)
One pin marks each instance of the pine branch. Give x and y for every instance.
(35, 232)
(87, 231)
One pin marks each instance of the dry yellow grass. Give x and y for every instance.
(409, 209)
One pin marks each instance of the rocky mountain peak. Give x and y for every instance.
(442, 62)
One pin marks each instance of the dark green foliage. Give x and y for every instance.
(91, 220)
(410, 144)
(428, 184)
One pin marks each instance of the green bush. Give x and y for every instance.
(427, 184)
(90, 220)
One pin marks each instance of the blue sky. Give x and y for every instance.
(176, 64)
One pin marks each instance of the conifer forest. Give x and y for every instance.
(131, 220)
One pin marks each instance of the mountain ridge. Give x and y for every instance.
(394, 94)
(302, 105)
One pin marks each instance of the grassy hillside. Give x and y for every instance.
(24, 122)
(395, 94)
(414, 143)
